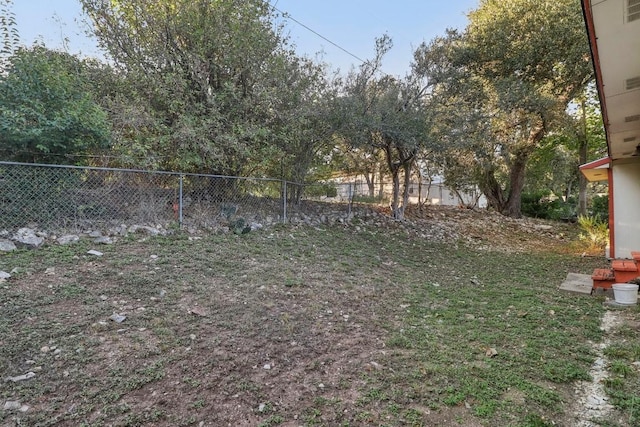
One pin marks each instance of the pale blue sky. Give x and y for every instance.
(352, 24)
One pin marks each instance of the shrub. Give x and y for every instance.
(600, 207)
(540, 205)
(594, 231)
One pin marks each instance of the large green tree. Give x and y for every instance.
(209, 76)
(512, 74)
(48, 112)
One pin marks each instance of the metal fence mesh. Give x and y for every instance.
(81, 198)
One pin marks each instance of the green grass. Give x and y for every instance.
(395, 328)
(623, 384)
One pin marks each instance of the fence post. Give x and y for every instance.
(180, 205)
(284, 201)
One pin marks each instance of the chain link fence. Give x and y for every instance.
(82, 198)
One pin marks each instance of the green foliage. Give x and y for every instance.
(623, 386)
(502, 106)
(212, 87)
(535, 420)
(600, 207)
(47, 109)
(542, 205)
(9, 38)
(384, 114)
(594, 231)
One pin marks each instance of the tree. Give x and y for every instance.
(47, 109)
(8, 32)
(300, 124)
(515, 69)
(209, 72)
(387, 114)
(578, 139)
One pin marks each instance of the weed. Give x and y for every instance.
(535, 420)
(273, 420)
(413, 416)
(312, 416)
(198, 404)
(621, 368)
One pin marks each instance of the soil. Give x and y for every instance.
(264, 359)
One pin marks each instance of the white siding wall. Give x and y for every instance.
(626, 200)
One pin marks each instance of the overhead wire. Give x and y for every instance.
(287, 15)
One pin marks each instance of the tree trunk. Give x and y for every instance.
(407, 183)
(402, 160)
(582, 154)
(381, 174)
(517, 169)
(395, 174)
(492, 190)
(419, 191)
(513, 207)
(371, 183)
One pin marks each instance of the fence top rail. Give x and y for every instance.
(135, 171)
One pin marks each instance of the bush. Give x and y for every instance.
(594, 231)
(540, 205)
(600, 208)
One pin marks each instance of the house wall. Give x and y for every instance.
(626, 208)
(435, 194)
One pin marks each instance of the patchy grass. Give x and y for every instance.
(623, 383)
(333, 326)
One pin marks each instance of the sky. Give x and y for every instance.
(352, 24)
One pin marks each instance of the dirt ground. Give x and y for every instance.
(213, 338)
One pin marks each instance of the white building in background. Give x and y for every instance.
(434, 192)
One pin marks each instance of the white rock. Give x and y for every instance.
(4, 275)
(542, 227)
(103, 240)
(28, 237)
(11, 405)
(145, 229)
(7, 245)
(94, 252)
(67, 239)
(118, 318)
(24, 377)
(267, 366)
